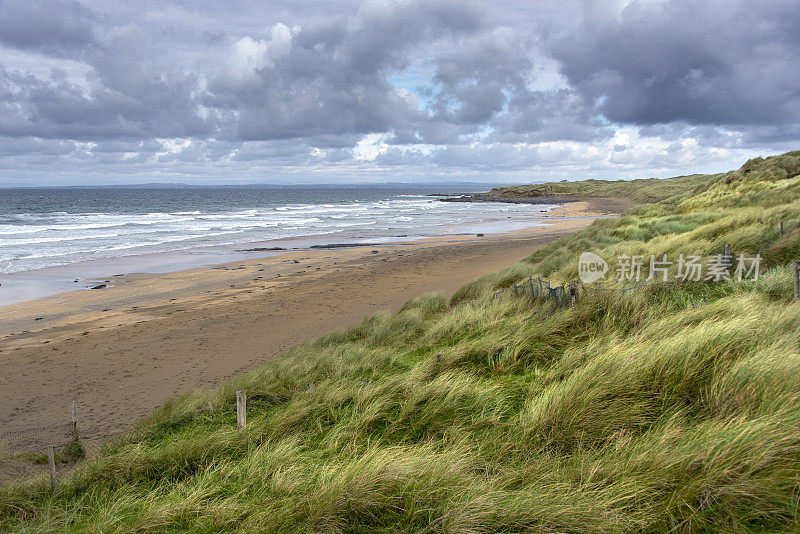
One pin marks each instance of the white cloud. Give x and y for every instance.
(370, 147)
(248, 55)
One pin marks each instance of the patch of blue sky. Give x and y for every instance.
(415, 79)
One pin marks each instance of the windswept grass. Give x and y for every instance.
(672, 407)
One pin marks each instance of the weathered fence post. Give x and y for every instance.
(74, 421)
(241, 409)
(727, 251)
(573, 292)
(51, 460)
(533, 292)
(796, 275)
(781, 225)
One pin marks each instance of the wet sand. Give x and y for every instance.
(121, 352)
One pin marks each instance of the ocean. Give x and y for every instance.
(45, 228)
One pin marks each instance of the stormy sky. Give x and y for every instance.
(110, 91)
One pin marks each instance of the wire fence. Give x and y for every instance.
(38, 439)
(567, 293)
(541, 289)
(31, 453)
(28, 453)
(22, 451)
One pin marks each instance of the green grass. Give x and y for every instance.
(672, 407)
(71, 452)
(641, 190)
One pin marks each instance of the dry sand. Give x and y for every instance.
(121, 352)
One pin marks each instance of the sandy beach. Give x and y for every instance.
(122, 351)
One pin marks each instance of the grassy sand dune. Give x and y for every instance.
(641, 190)
(674, 406)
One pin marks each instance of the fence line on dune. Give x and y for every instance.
(44, 445)
(32, 439)
(567, 293)
(55, 448)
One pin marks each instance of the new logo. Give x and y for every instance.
(591, 267)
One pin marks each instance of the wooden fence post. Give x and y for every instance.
(796, 275)
(241, 409)
(573, 292)
(727, 251)
(533, 293)
(51, 460)
(74, 421)
(781, 225)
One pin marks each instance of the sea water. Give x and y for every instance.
(184, 227)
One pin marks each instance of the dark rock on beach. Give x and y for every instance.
(345, 245)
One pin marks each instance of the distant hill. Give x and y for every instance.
(640, 190)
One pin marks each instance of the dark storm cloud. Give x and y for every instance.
(475, 82)
(58, 108)
(415, 83)
(57, 27)
(328, 79)
(711, 62)
(331, 78)
(543, 116)
(17, 146)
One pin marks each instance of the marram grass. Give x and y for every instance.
(672, 407)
